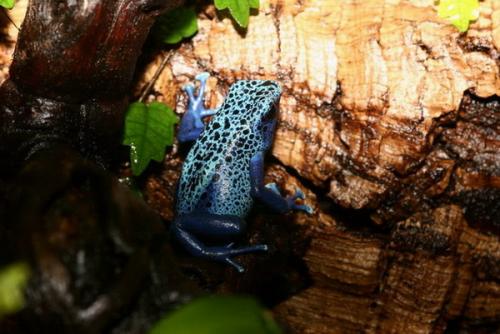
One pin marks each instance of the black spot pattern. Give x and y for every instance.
(216, 174)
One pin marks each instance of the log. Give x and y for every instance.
(390, 118)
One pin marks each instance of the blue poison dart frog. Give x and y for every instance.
(224, 170)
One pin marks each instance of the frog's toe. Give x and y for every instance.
(273, 187)
(188, 87)
(238, 251)
(303, 207)
(202, 76)
(263, 248)
(299, 193)
(248, 249)
(235, 264)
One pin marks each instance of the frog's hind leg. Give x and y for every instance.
(185, 229)
(270, 194)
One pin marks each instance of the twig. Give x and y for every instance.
(8, 18)
(155, 77)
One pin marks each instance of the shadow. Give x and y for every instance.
(222, 14)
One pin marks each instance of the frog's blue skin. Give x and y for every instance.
(192, 124)
(224, 171)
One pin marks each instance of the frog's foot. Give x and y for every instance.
(303, 207)
(189, 89)
(239, 251)
(200, 108)
(299, 194)
(192, 124)
(273, 187)
(196, 101)
(202, 77)
(235, 264)
(225, 253)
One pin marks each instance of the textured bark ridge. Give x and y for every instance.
(392, 119)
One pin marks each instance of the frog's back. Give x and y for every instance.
(216, 173)
(229, 190)
(213, 181)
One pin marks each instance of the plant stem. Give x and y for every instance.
(155, 77)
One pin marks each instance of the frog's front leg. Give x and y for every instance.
(192, 125)
(270, 193)
(188, 228)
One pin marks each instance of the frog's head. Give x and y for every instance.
(255, 104)
(267, 98)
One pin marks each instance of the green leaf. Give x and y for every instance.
(177, 24)
(218, 315)
(13, 279)
(9, 4)
(239, 9)
(148, 130)
(459, 12)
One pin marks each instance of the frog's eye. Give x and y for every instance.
(271, 114)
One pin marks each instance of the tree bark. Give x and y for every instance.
(391, 118)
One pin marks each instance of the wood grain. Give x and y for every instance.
(391, 116)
